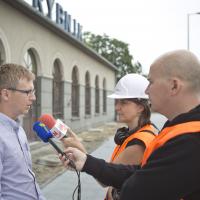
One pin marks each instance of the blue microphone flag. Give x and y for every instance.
(42, 131)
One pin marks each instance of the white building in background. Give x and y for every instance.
(72, 80)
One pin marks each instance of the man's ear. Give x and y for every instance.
(175, 86)
(4, 94)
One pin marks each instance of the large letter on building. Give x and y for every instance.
(38, 5)
(59, 15)
(49, 6)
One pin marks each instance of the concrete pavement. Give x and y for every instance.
(63, 186)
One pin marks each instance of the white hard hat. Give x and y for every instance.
(130, 86)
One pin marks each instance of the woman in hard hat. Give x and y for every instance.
(133, 109)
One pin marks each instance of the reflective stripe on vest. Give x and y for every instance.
(169, 133)
(142, 134)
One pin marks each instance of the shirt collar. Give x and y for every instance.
(10, 122)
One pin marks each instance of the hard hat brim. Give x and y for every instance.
(115, 96)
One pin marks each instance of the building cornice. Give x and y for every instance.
(35, 15)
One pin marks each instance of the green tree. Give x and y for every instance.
(115, 51)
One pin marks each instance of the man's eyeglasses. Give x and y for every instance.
(28, 92)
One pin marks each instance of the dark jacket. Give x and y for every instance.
(172, 171)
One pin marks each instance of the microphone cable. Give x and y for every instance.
(78, 187)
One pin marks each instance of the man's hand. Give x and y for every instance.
(72, 140)
(75, 155)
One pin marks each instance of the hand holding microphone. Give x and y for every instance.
(46, 136)
(73, 141)
(75, 155)
(62, 132)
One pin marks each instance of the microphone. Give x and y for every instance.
(56, 127)
(45, 135)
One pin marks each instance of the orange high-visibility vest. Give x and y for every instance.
(144, 134)
(169, 133)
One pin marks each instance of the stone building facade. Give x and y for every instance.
(72, 81)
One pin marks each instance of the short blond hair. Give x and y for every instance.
(10, 74)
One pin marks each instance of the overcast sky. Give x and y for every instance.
(150, 27)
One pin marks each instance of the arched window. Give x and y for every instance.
(31, 117)
(97, 94)
(87, 94)
(104, 96)
(2, 53)
(30, 61)
(75, 92)
(57, 91)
